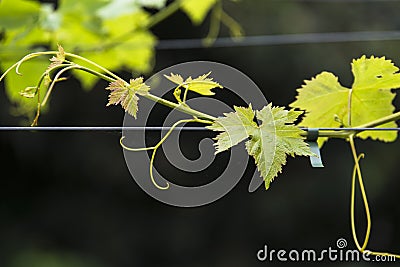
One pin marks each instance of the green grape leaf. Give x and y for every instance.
(201, 85)
(276, 138)
(327, 102)
(234, 127)
(197, 10)
(269, 143)
(141, 51)
(137, 22)
(175, 78)
(50, 19)
(126, 95)
(116, 8)
(16, 14)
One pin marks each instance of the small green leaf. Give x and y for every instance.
(126, 94)
(175, 78)
(201, 85)
(235, 127)
(197, 10)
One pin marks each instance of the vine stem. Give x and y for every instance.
(393, 117)
(183, 108)
(346, 134)
(113, 77)
(110, 77)
(164, 13)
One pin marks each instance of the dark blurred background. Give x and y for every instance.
(67, 198)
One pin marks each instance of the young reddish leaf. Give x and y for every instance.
(58, 59)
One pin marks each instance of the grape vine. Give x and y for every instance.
(270, 133)
(101, 31)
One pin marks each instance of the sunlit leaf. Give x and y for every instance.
(15, 14)
(175, 78)
(134, 55)
(197, 10)
(125, 24)
(127, 95)
(116, 8)
(201, 85)
(276, 138)
(323, 98)
(269, 143)
(49, 19)
(234, 127)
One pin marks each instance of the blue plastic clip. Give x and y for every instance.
(312, 137)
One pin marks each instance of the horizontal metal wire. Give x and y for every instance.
(265, 40)
(156, 128)
(99, 128)
(282, 39)
(357, 129)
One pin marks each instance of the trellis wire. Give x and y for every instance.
(266, 40)
(156, 128)
(281, 39)
(99, 128)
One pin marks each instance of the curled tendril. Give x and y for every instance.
(357, 173)
(60, 68)
(154, 148)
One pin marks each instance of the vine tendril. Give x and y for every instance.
(357, 173)
(154, 148)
